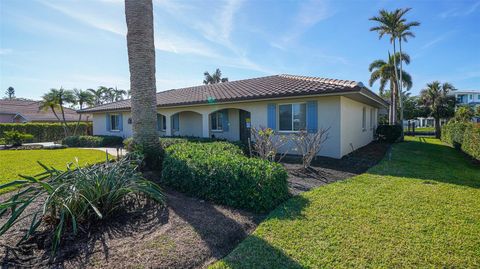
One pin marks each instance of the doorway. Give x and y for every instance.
(245, 126)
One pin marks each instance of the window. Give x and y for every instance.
(364, 119)
(292, 117)
(471, 96)
(164, 123)
(114, 122)
(216, 119)
(161, 122)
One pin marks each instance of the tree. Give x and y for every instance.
(141, 59)
(57, 99)
(435, 97)
(98, 94)
(413, 107)
(82, 98)
(215, 78)
(119, 94)
(464, 114)
(384, 72)
(10, 92)
(403, 33)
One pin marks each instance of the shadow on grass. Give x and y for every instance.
(428, 159)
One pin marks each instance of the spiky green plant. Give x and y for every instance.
(76, 196)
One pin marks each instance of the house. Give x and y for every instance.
(468, 98)
(285, 103)
(20, 111)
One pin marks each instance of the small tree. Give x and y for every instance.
(464, 114)
(310, 144)
(10, 92)
(267, 145)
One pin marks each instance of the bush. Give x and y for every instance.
(219, 172)
(92, 141)
(452, 133)
(388, 133)
(471, 140)
(43, 132)
(16, 138)
(166, 142)
(76, 196)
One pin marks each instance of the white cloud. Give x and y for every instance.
(5, 51)
(460, 12)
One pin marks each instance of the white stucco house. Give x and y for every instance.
(285, 103)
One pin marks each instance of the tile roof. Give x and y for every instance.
(248, 89)
(29, 110)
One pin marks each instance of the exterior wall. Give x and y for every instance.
(6, 118)
(343, 117)
(353, 136)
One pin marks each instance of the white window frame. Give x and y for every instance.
(218, 121)
(291, 130)
(111, 122)
(364, 119)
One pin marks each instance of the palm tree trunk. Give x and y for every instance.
(64, 120)
(78, 122)
(58, 118)
(400, 97)
(437, 127)
(395, 92)
(141, 59)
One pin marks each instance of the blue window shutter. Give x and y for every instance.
(272, 116)
(107, 122)
(159, 122)
(225, 120)
(120, 122)
(312, 116)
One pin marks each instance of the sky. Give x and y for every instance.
(82, 44)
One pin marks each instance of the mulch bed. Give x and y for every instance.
(187, 233)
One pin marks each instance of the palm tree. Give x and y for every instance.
(141, 59)
(82, 98)
(384, 72)
(118, 94)
(435, 96)
(56, 99)
(215, 78)
(10, 92)
(98, 94)
(403, 33)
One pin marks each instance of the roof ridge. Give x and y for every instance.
(350, 83)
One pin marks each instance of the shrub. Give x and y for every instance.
(76, 196)
(388, 133)
(310, 144)
(16, 138)
(452, 133)
(221, 173)
(471, 140)
(267, 145)
(166, 142)
(43, 132)
(92, 141)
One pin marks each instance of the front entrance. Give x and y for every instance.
(245, 126)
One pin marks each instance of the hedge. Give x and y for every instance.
(219, 172)
(92, 141)
(43, 132)
(171, 140)
(388, 133)
(464, 136)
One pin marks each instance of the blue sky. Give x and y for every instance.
(48, 44)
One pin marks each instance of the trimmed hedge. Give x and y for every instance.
(85, 141)
(219, 172)
(388, 133)
(43, 132)
(168, 141)
(464, 136)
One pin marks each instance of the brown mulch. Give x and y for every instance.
(187, 233)
(327, 170)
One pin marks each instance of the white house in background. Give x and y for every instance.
(285, 103)
(467, 97)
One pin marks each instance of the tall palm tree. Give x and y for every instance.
(384, 72)
(214, 78)
(403, 33)
(435, 96)
(57, 99)
(141, 59)
(98, 94)
(82, 98)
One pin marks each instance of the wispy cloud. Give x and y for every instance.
(436, 40)
(4, 51)
(460, 12)
(309, 14)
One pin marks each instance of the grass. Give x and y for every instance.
(418, 208)
(15, 162)
(422, 129)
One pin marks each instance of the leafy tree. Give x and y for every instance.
(435, 97)
(464, 114)
(214, 78)
(141, 59)
(384, 72)
(10, 93)
(413, 107)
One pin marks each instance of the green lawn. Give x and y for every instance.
(14, 162)
(419, 208)
(422, 129)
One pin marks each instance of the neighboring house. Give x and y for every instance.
(467, 98)
(284, 103)
(20, 111)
